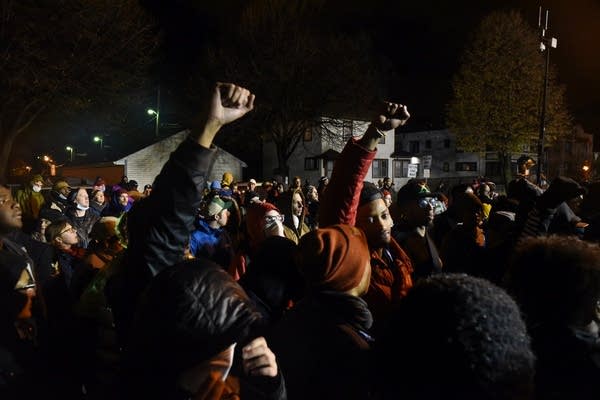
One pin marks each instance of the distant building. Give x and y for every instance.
(568, 156)
(316, 153)
(145, 164)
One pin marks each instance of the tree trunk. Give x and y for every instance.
(6, 143)
(505, 167)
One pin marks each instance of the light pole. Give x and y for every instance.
(157, 114)
(70, 150)
(546, 43)
(100, 140)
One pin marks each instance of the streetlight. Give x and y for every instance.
(546, 43)
(99, 139)
(157, 114)
(70, 150)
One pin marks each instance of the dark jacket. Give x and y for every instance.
(322, 346)
(159, 227)
(82, 224)
(199, 311)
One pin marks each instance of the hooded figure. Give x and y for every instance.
(31, 200)
(322, 343)
(292, 205)
(187, 326)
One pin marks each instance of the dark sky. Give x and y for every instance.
(423, 39)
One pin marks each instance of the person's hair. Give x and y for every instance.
(556, 279)
(54, 229)
(455, 336)
(370, 192)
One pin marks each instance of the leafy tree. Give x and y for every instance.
(299, 68)
(63, 55)
(497, 91)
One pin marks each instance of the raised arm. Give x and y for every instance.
(160, 225)
(340, 201)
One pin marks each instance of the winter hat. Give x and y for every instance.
(413, 190)
(217, 205)
(104, 228)
(334, 258)
(60, 185)
(36, 178)
(254, 215)
(50, 214)
(99, 182)
(369, 193)
(215, 185)
(227, 179)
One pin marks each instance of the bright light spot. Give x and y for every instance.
(151, 112)
(97, 139)
(69, 148)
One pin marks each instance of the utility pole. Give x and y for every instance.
(546, 43)
(156, 129)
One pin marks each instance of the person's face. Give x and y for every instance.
(252, 186)
(65, 191)
(272, 223)
(419, 212)
(68, 236)
(82, 198)
(123, 199)
(222, 217)
(297, 182)
(312, 193)
(297, 204)
(99, 197)
(388, 200)
(375, 220)
(44, 224)
(10, 211)
(280, 188)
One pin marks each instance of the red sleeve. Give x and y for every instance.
(340, 200)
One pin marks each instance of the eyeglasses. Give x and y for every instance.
(271, 219)
(427, 201)
(71, 229)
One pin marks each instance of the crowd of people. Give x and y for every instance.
(346, 289)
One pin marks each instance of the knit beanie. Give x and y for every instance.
(369, 193)
(254, 215)
(227, 179)
(334, 258)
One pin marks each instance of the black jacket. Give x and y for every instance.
(191, 312)
(158, 228)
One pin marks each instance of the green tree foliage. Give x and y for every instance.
(57, 56)
(497, 91)
(299, 68)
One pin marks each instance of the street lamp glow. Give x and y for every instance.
(151, 112)
(46, 158)
(98, 139)
(70, 150)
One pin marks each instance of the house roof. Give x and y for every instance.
(175, 139)
(329, 154)
(401, 154)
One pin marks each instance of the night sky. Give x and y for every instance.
(421, 40)
(424, 40)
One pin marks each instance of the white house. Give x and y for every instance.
(145, 164)
(316, 154)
